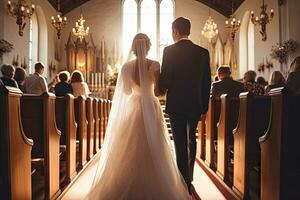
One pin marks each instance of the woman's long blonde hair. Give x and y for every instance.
(295, 66)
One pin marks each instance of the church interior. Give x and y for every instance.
(247, 145)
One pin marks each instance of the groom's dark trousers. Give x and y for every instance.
(184, 134)
(185, 78)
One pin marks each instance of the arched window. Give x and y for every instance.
(129, 25)
(251, 50)
(148, 24)
(166, 19)
(38, 40)
(153, 17)
(33, 42)
(243, 44)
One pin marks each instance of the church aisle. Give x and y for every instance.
(204, 186)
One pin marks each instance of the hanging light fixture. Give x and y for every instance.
(59, 23)
(79, 29)
(232, 24)
(210, 29)
(263, 20)
(21, 11)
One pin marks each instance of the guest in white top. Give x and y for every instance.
(36, 83)
(80, 88)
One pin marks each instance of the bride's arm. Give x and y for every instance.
(156, 75)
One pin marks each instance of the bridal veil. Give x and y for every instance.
(136, 162)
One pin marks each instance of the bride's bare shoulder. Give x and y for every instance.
(128, 65)
(153, 64)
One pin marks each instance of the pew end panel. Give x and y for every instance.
(201, 140)
(96, 125)
(280, 155)
(15, 167)
(253, 121)
(227, 122)
(65, 118)
(211, 131)
(80, 116)
(90, 127)
(40, 111)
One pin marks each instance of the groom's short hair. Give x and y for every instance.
(182, 25)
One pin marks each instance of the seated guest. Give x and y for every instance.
(277, 80)
(293, 81)
(79, 86)
(216, 78)
(20, 77)
(63, 87)
(226, 85)
(262, 82)
(51, 85)
(36, 83)
(8, 73)
(250, 84)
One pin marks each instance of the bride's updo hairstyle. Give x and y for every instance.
(140, 36)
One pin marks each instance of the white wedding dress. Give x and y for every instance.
(136, 161)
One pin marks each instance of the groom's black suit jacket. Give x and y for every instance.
(185, 76)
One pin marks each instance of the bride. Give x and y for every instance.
(136, 161)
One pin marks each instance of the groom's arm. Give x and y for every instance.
(165, 75)
(206, 82)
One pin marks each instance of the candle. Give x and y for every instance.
(102, 79)
(102, 49)
(93, 79)
(99, 78)
(96, 80)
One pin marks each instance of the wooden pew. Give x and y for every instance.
(80, 117)
(101, 123)
(280, 155)
(105, 109)
(65, 120)
(90, 127)
(15, 148)
(252, 123)
(96, 125)
(227, 122)
(201, 140)
(211, 131)
(39, 123)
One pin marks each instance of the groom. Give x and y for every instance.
(185, 78)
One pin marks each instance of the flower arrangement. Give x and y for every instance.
(5, 47)
(281, 51)
(112, 75)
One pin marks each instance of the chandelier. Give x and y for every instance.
(79, 29)
(210, 29)
(59, 23)
(232, 24)
(263, 20)
(21, 11)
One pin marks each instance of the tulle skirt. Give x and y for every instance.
(129, 168)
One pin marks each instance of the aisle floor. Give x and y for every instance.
(204, 186)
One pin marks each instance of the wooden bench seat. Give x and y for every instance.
(15, 148)
(97, 134)
(252, 123)
(211, 131)
(81, 135)
(90, 127)
(227, 122)
(39, 123)
(280, 155)
(65, 120)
